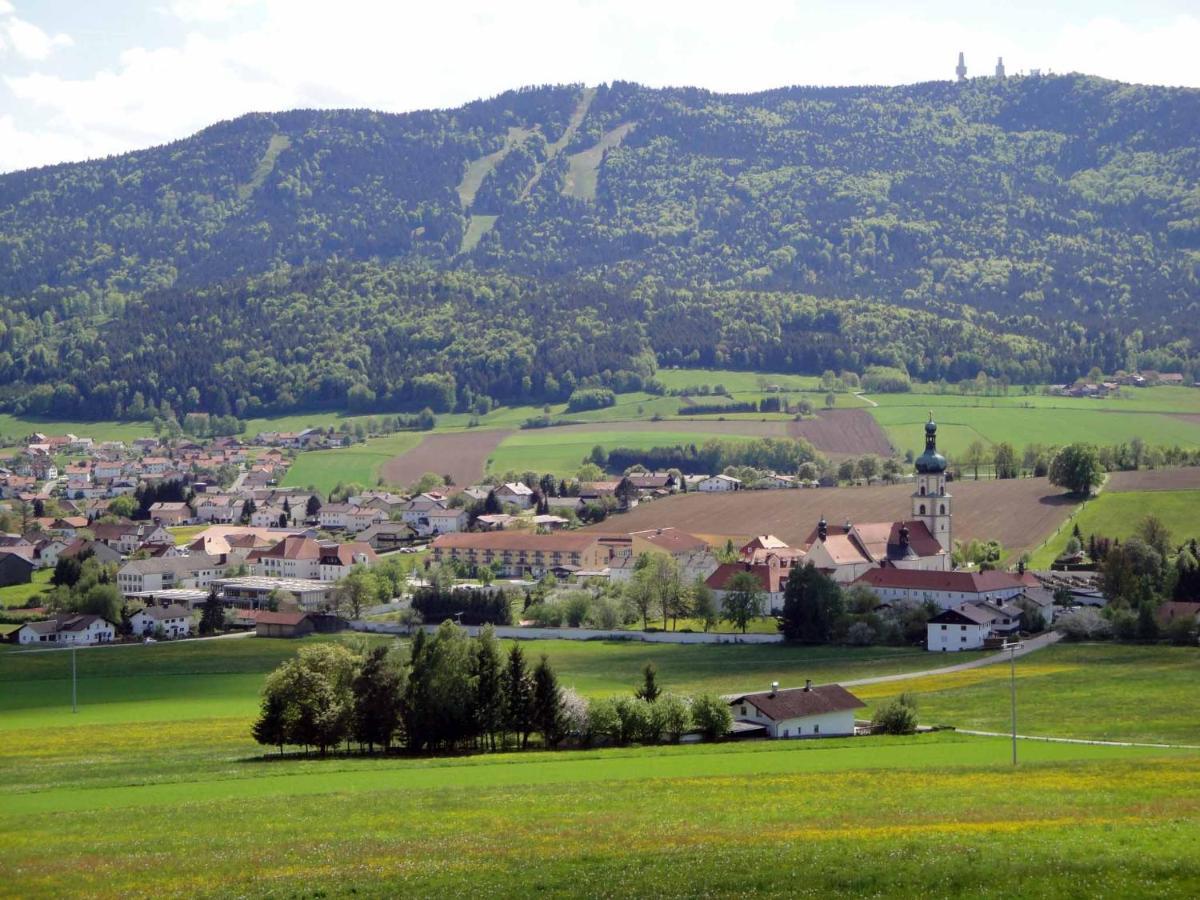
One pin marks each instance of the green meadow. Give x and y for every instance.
(360, 463)
(1117, 515)
(155, 788)
(17, 594)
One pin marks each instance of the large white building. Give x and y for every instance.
(945, 589)
(68, 630)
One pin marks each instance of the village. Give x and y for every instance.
(181, 528)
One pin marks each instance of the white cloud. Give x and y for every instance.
(28, 40)
(402, 56)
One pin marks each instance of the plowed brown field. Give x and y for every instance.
(843, 432)
(1154, 480)
(460, 454)
(1018, 513)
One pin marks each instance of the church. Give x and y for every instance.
(922, 542)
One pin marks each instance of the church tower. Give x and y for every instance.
(931, 503)
(961, 69)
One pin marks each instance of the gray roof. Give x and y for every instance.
(178, 565)
(171, 612)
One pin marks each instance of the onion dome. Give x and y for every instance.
(931, 462)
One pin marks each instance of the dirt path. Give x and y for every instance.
(460, 454)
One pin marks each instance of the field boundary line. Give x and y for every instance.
(1062, 740)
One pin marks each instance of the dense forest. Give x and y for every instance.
(561, 237)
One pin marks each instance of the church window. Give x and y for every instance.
(922, 490)
(922, 509)
(943, 509)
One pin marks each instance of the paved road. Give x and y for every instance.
(1030, 646)
(62, 649)
(1062, 740)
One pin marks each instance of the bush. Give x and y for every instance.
(635, 721)
(860, 634)
(895, 717)
(545, 615)
(590, 398)
(672, 717)
(1084, 625)
(1181, 632)
(602, 721)
(605, 613)
(711, 716)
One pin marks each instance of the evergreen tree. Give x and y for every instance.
(649, 690)
(271, 728)
(547, 704)
(212, 614)
(489, 688)
(377, 697)
(248, 510)
(312, 507)
(518, 696)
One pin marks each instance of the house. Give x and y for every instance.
(171, 622)
(654, 482)
(338, 559)
(523, 553)
(811, 711)
(550, 523)
(495, 521)
(219, 509)
(1176, 610)
(282, 624)
(516, 493)
(197, 570)
(385, 536)
(81, 549)
(447, 521)
(718, 483)
(76, 629)
(561, 505)
(268, 517)
(333, 515)
(945, 589)
(45, 553)
(15, 568)
(762, 549)
(416, 511)
(770, 578)
(168, 514)
(963, 628)
(360, 518)
(778, 482)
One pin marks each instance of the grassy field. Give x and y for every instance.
(322, 469)
(17, 594)
(545, 450)
(86, 807)
(184, 534)
(1117, 515)
(1095, 691)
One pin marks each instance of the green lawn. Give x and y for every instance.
(548, 450)
(323, 469)
(184, 534)
(156, 788)
(1117, 515)
(958, 425)
(1154, 399)
(17, 594)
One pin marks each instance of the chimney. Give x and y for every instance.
(774, 688)
(808, 684)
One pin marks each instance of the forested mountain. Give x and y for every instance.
(1030, 228)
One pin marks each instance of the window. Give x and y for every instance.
(922, 509)
(942, 509)
(816, 729)
(943, 628)
(922, 490)
(785, 732)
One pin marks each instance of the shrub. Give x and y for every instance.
(605, 613)
(711, 716)
(1181, 632)
(672, 717)
(895, 717)
(634, 721)
(602, 721)
(1084, 625)
(860, 634)
(590, 398)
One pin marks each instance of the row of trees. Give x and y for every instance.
(454, 692)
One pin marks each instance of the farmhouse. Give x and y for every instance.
(174, 621)
(68, 629)
(811, 711)
(965, 628)
(282, 624)
(718, 483)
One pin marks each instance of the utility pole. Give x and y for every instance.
(74, 708)
(1012, 671)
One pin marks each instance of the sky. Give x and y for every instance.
(88, 78)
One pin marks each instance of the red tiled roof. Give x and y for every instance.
(917, 579)
(770, 578)
(512, 540)
(266, 617)
(795, 703)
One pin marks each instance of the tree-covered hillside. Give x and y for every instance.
(1047, 224)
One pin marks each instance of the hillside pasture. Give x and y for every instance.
(462, 455)
(358, 464)
(583, 168)
(1117, 514)
(1019, 513)
(958, 426)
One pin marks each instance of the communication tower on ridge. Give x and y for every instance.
(1000, 67)
(961, 69)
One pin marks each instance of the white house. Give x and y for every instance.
(69, 629)
(338, 559)
(965, 628)
(333, 515)
(516, 493)
(716, 483)
(811, 711)
(447, 521)
(175, 621)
